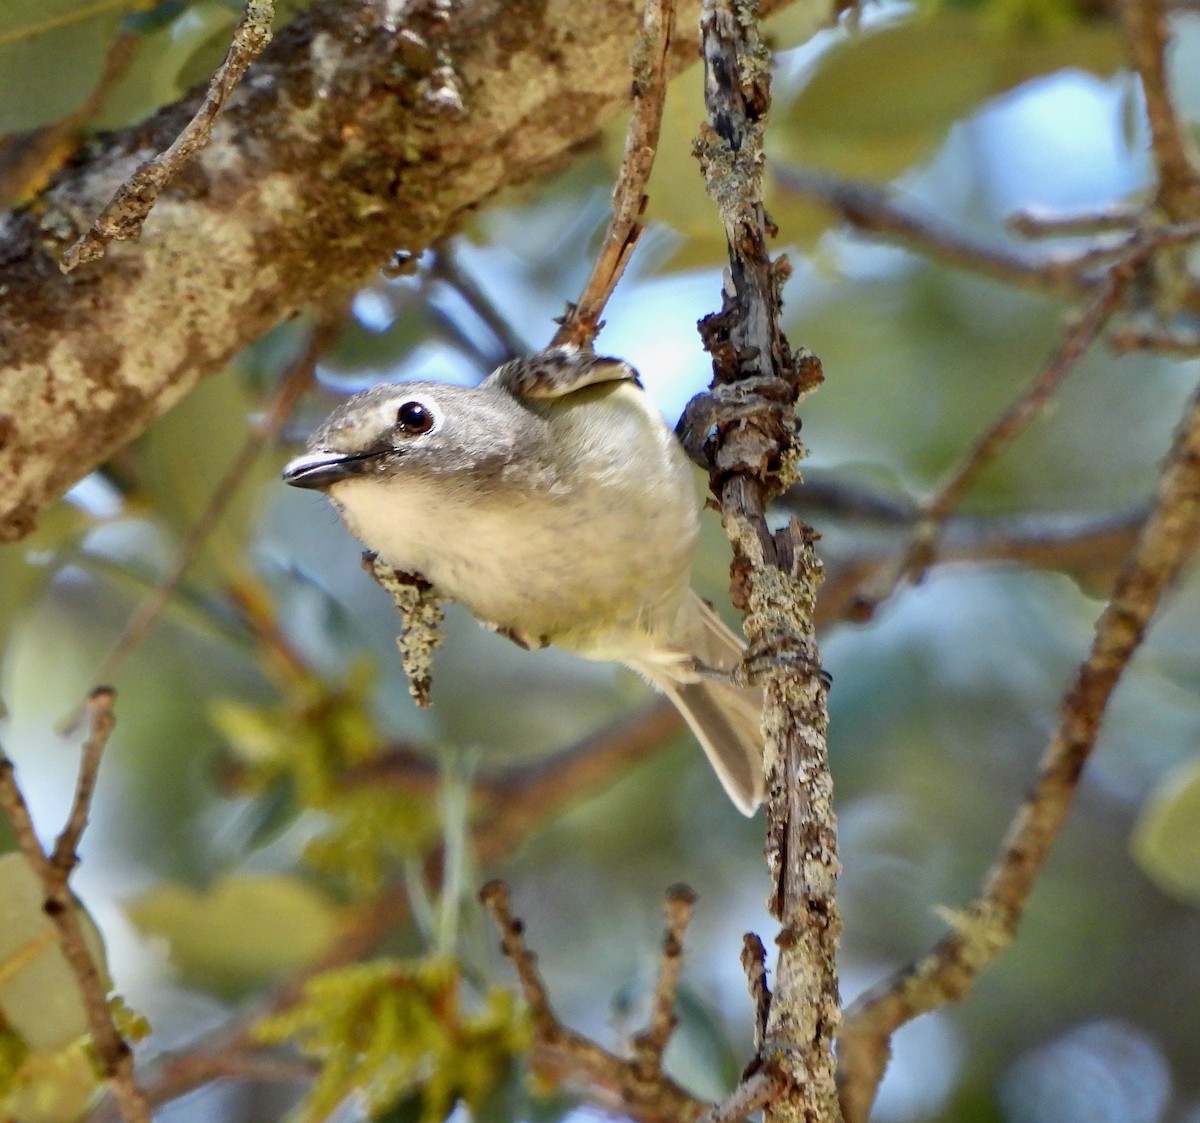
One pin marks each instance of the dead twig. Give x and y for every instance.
(125, 215)
(649, 64)
(754, 963)
(420, 608)
(54, 871)
(566, 1056)
(649, 1046)
(985, 928)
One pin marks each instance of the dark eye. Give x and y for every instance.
(414, 418)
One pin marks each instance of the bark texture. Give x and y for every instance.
(368, 126)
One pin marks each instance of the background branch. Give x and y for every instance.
(1146, 37)
(54, 871)
(987, 926)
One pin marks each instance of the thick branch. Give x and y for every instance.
(367, 126)
(747, 431)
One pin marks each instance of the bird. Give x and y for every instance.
(557, 506)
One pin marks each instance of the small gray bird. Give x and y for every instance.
(555, 504)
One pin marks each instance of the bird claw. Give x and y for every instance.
(786, 653)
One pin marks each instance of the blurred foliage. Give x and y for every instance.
(246, 809)
(241, 932)
(388, 1027)
(309, 747)
(1166, 838)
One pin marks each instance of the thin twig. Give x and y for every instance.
(566, 1056)
(754, 1092)
(124, 216)
(101, 722)
(495, 898)
(1038, 222)
(987, 926)
(1147, 36)
(1016, 419)
(649, 1046)
(112, 1050)
(754, 963)
(649, 62)
(448, 269)
(1162, 341)
(296, 379)
(878, 210)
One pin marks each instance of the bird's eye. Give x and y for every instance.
(415, 418)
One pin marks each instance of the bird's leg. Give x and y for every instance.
(778, 652)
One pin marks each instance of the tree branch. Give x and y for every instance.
(635, 1089)
(124, 217)
(649, 62)
(746, 432)
(881, 210)
(1146, 37)
(986, 927)
(54, 871)
(1079, 336)
(356, 133)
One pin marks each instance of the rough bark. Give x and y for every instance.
(368, 126)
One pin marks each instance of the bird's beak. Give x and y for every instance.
(320, 470)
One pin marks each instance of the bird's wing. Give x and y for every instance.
(559, 371)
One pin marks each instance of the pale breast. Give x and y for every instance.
(594, 555)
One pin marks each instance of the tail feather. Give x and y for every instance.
(726, 722)
(726, 719)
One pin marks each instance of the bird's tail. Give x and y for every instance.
(726, 719)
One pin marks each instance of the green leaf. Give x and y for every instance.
(1166, 837)
(386, 1029)
(242, 931)
(39, 996)
(53, 1086)
(51, 56)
